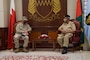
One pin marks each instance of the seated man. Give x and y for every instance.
(22, 30)
(67, 29)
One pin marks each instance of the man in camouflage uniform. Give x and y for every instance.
(67, 29)
(22, 29)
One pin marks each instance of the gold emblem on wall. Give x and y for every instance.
(44, 10)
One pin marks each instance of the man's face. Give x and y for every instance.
(65, 19)
(24, 22)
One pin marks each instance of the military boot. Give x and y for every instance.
(25, 50)
(16, 50)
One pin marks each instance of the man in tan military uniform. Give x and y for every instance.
(67, 29)
(22, 30)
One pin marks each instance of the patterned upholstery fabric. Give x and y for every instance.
(75, 39)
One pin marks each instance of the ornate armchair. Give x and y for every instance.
(75, 39)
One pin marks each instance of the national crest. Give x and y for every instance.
(43, 8)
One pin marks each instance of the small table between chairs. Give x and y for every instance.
(42, 40)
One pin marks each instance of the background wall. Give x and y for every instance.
(5, 7)
(1, 13)
(5, 10)
(71, 8)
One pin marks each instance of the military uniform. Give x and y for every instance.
(20, 33)
(63, 39)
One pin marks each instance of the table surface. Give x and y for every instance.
(43, 39)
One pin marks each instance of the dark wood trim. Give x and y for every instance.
(3, 38)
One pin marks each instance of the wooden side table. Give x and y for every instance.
(51, 34)
(41, 40)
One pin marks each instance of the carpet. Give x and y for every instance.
(44, 55)
(33, 57)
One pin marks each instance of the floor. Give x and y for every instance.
(77, 55)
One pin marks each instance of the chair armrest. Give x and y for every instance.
(78, 31)
(13, 33)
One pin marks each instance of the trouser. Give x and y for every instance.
(63, 39)
(16, 40)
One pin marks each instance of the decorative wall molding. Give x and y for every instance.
(3, 38)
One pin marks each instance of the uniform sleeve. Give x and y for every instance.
(61, 27)
(29, 28)
(19, 28)
(73, 26)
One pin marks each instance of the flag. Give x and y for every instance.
(79, 18)
(86, 26)
(11, 24)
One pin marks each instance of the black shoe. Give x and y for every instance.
(64, 50)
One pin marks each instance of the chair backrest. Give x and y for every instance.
(77, 24)
(76, 37)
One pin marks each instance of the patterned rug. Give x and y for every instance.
(43, 55)
(33, 57)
